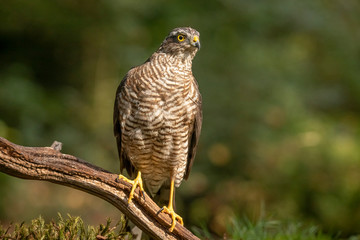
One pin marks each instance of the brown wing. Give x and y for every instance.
(194, 136)
(124, 158)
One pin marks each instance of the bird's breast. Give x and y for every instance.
(156, 128)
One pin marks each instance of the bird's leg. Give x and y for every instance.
(136, 182)
(170, 209)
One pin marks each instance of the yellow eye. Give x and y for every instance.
(181, 37)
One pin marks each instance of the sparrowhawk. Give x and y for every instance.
(158, 117)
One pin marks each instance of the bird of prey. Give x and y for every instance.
(158, 117)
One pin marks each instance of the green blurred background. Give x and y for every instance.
(280, 82)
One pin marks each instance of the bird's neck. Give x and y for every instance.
(181, 61)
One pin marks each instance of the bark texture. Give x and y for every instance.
(49, 164)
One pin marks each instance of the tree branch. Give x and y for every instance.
(49, 164)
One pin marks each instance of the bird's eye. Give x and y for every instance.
(181, 37)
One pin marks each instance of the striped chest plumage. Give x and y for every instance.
(157, 110)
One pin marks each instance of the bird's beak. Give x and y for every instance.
(196, 42)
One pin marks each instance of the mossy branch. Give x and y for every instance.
(49, 164)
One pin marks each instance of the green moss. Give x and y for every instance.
(65, 228)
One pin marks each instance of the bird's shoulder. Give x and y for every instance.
(131, 76)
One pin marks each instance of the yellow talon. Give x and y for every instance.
(136, 182)
(170, 210)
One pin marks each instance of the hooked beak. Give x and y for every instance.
(196, 42)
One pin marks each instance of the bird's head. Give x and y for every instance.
(182, 41)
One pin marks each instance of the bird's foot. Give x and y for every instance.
(174, 216)
(136, 182)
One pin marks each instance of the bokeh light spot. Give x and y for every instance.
(219, 154)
